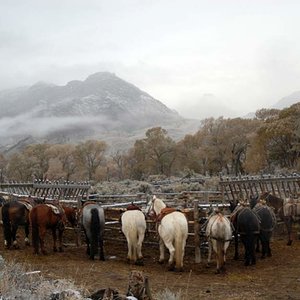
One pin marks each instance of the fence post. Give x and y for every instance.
(197, 232)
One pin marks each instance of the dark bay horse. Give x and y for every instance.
(93, 221)
(247, 225)
(42, 218)
(15, 213)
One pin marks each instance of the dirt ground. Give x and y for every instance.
(277, 277)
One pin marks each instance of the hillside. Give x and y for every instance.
(101, 107)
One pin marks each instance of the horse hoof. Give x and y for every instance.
(54, 249)
(102, 258)
(179, 270)
(139, 262)
(161, 262)
(207, 265)
(289, 243)
(60, 250)
(171, 267)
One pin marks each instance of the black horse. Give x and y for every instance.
(247, 226)
(286, 210)
(14, 214)
(267, 219)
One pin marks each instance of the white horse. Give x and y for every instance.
(173, 232)
(134, 227)
(219, 234)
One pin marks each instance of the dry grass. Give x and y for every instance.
(19, 282)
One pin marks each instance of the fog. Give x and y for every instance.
(243, 54)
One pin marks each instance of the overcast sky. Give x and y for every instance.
(201, 58)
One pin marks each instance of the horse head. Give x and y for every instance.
(154, 207)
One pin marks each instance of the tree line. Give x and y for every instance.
(266, 143)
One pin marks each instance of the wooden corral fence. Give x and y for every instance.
(234, 188)
(47, 190)
(195, 204)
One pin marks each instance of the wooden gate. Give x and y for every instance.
(233, 189)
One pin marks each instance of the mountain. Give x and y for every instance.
(288, 100)
(101, 107)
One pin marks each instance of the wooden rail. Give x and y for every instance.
(233, 189)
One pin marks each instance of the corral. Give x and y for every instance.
(276, 277)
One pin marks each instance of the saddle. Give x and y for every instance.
(133, 207)
(165, 211)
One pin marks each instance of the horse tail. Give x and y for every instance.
(133, 238)
(179, 249)
(221, 252)
(34, 229)
(6, 225)
(95, 230)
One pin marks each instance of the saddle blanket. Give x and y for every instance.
(54, 209)
(26, 204)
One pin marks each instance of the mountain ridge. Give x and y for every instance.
(103, 106)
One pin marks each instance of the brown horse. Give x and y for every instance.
(42, 218)
(71, 214)
(288, 210)
(15, 213)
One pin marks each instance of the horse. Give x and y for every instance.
(267, 219)
(288, 210)
(71, 214)
(93, 222)
(44, 217)
(172, 228)
(219, 234)
(133, 227)
(247, 225)
(15, 213)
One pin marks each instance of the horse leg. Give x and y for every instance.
(129, 251)
(289, 224)
(236, 245)
(257, 245)
(139, 249)
(101, 248)
(42, 234)
(245, 242)
(161, 251)
(26, 228)
(252, 243)
(60, 241)
(54, 237)
(14, 229)
(209, 252)
(171, 249)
